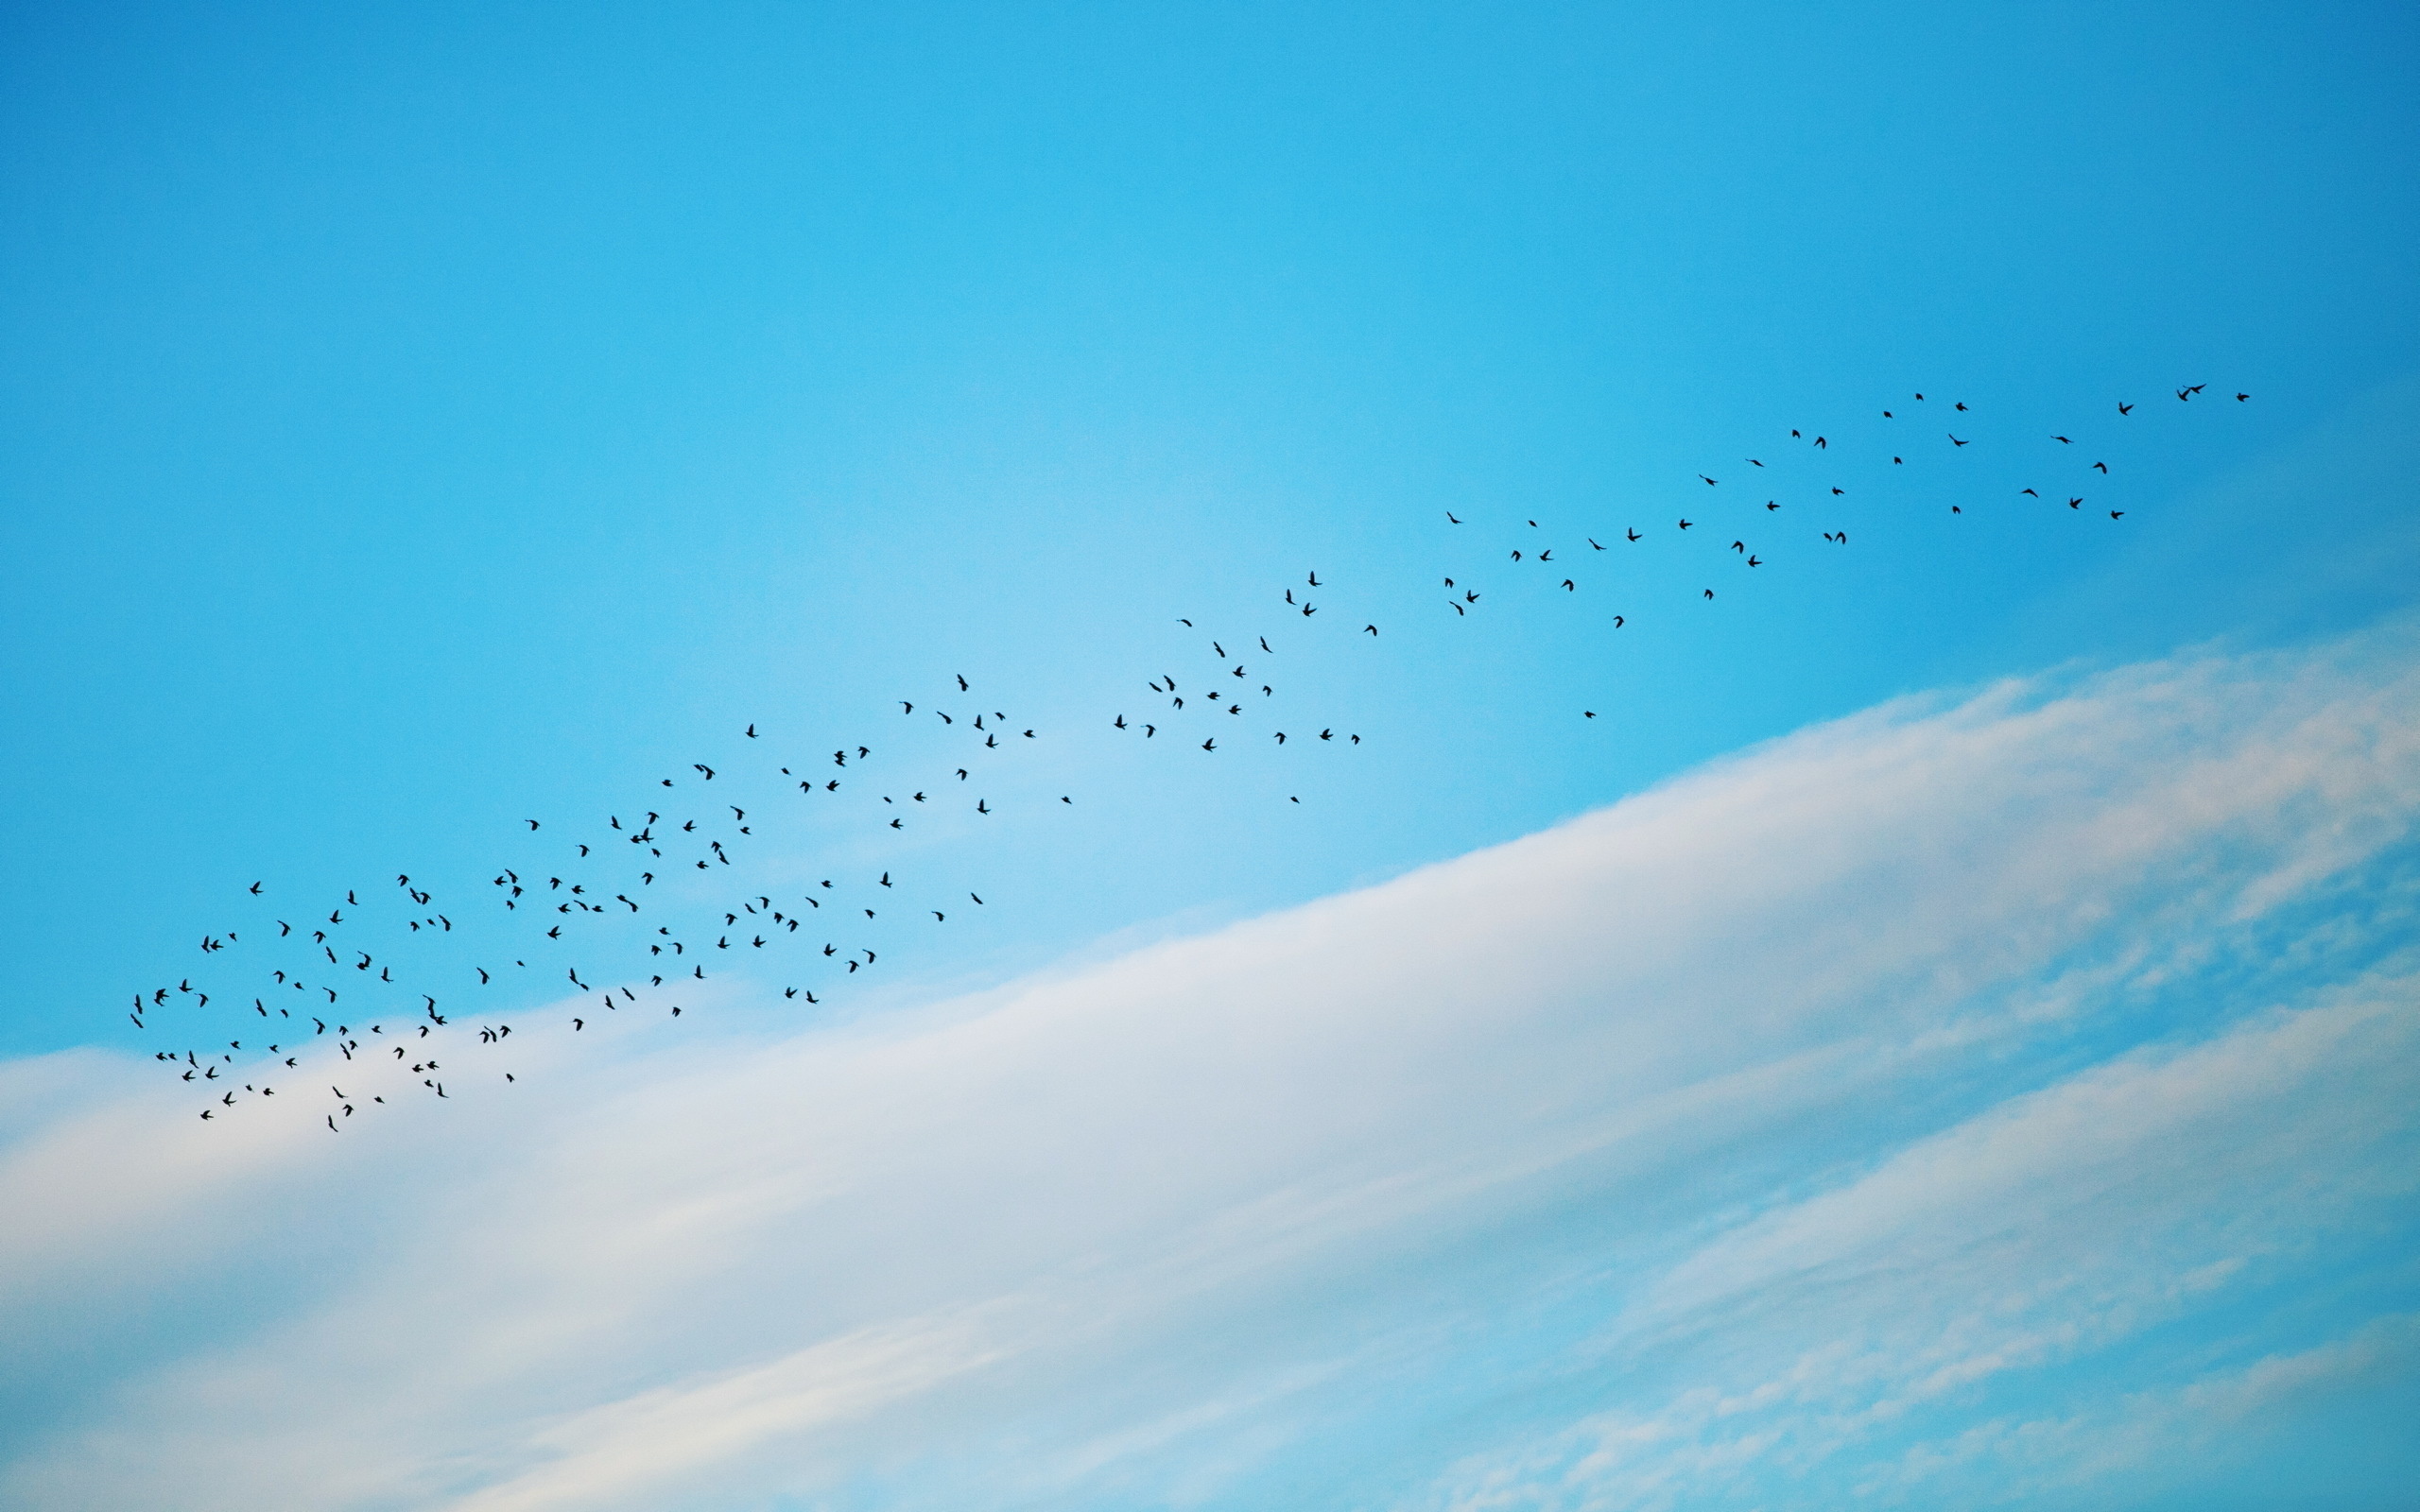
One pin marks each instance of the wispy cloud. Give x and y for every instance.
(1799, 1118)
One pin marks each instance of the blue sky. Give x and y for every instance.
(420, 424)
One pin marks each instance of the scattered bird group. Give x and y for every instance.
(570, 897)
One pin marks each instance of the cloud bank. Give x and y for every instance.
(2007, 1096)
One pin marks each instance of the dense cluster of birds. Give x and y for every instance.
(385, 995)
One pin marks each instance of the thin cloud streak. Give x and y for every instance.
(1836, 1087)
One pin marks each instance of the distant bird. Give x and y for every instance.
(1449, 518)
(1955, 441)
(751, 731)
(255, 889)
(2124, 408)
(1708, 481)
(1210, 744)
(2103, 466)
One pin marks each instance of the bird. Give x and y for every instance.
(2103, 466)
(2124, 408)
(1449, 518)
(1955, 441)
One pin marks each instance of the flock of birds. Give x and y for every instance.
(386, 998)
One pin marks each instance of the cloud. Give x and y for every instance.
(1802, 1113)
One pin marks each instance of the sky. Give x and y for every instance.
(1925, 1018)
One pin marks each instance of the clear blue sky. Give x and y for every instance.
(417, 421)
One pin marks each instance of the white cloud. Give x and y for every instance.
(1816, 1079)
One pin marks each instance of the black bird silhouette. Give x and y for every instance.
(751, 731)
(1633, 535)
(2103, 466)
(1684, 524)
(255, 889)
(1955, 441)
(2124, 408)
